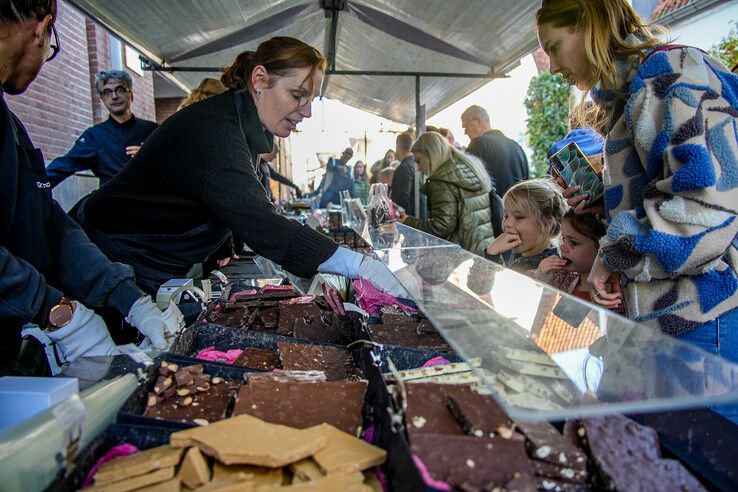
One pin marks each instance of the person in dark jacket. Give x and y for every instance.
(49, 270)
(341, 182)
(504, 159)
(162, 226)
(407, 181)
(458, 189)
(107, 147)
(267, 173)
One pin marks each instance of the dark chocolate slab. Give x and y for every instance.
(472, 461)
(545, 443)
(331, 360)
(290, 313)
(258, 359)
(427, 410)
(479, 415)
(304, 404)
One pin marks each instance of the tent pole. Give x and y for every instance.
(419, 109)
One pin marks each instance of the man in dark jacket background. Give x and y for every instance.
(107, 147)
(407, 180)
(48, 267)
(504, 159)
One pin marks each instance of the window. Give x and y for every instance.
(116, 54)
(132, 60)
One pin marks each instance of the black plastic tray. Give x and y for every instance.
(133, 409)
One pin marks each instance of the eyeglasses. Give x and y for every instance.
(119, 91)
(53, 46)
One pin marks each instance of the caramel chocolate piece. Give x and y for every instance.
(173, 485)
(337, 481)
(304, 404)
(302, 357)
(137, 464)
(136, 482)
(258, 359)
(479, 462)
(194, 470)
(479, 415)
(306, 470)
(258, 475)
(545, 443)
(345, 453)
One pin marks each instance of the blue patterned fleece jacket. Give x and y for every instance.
(671, 180)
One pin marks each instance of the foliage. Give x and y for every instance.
(547, 103)
(727, 49)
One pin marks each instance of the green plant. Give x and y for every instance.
(547, 103)
(727, 49)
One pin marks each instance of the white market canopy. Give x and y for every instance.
(379, 51)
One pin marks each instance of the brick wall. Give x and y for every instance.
(166, 107)
(56, 107)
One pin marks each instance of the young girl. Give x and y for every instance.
(533, 213)
(568, 271)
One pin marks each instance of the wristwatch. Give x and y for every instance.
(61, 314)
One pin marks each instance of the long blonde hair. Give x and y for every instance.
(206, 88)
(437, 150)
(606, 24)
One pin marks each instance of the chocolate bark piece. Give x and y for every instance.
(283, 376)
(258, 359)
(269, 316)
(662, 475)
(559, 473)
(301, 357)
(472, 461)
(545, 443)
(289, 313)
(247, 321)
(327, 327)
(619, 436)
(479, 415)
(406, 335)
(427, 411)
(553, 485)
(304, 404)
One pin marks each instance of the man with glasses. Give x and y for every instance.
(49, 270)
(107, 147)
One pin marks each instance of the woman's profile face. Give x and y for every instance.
(359, 169)
(421, 160)
(565, 47)
(287, 102)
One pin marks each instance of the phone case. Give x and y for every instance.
(571, 165)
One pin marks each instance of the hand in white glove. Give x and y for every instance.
(147, 318)
(85, 335)
(378, 273)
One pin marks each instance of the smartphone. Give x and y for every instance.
(572, 166)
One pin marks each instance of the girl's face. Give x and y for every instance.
(521, 221)
(359, 169)
(565, 47)
(389, 157)
(580, 250)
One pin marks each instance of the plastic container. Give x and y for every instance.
(25, 397)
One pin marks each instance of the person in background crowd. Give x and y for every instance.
(49, 270)
(206, 88)
(450, 138)
(504, 159)
(341, 182)
(569, 270)
(457, 187)
(330, 169)
(386, 176)
(670, 174)
(407, 179)
(533, 212)
(267, 173)
(107, 147)
(361, 182)
(162, 226)
(389, 158)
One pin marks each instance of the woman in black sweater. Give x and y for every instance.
(195, 179)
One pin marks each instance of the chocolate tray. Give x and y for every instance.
(141, 436)
(133, 409)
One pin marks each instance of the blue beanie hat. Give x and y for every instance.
(587, 139)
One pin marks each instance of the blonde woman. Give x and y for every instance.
(671, 168)
(206, 88)
(457, 187)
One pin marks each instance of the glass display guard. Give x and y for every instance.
(544, 354)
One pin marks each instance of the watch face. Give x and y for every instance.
(60, 315)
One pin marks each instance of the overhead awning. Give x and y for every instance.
(394, 45)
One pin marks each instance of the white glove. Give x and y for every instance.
(343, 262)
(378, 273)
(148, 319)
(85, 335)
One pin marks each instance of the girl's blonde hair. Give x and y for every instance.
(606, 24)
(437, 150)
(540, 198)
(208, 87)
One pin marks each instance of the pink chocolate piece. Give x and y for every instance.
(211, 354)
(436, 361)
(371, 299)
